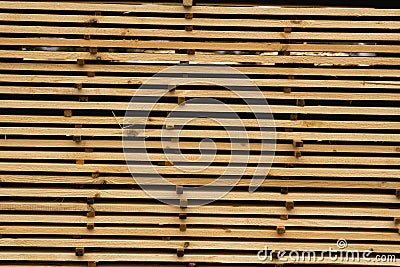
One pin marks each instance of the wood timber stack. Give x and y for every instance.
(69, 70)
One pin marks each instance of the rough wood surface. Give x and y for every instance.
(69, 69)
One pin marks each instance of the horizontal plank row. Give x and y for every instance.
(199, 232)
(282, 109)
(199, 81)
(157, 21)
(171, 194)
(90, 120)
(205, 9)
(347, 96)
(200, 34)
(196, 181)
(245, 135)
(211, 45)
(107, 156)
(194, 244)
(203, 220)
(323, 148)
(212, 170)
(201, 58)
(244, 209)
(176, 121)
(155, 68)
(151, 257)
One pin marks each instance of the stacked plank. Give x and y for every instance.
(68, 72)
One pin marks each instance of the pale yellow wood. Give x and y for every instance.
(214, 45)
(200, 93)
(202, 58)
(107, 156)
(199, 81)
(313, 124)
(196, 181)
(62, 105)
(253, 123)
(316, 210)
(154, 68)
(221, 232)
(233, 196)
(206, 34)
(199, 232)
(203, 220)
(279, 135)
(248, 135)
(156, 21)
(212, 170)
(194, 244)
(187, 3)
(190, 145)
(207, 9)
(159, 257)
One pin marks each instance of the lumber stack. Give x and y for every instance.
(68, 71)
